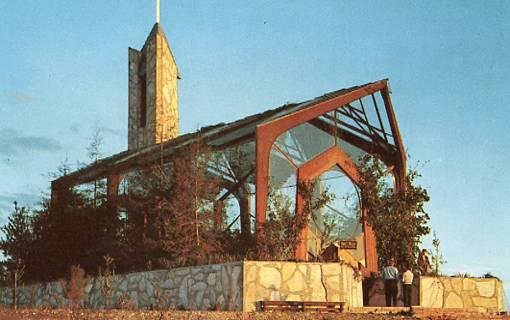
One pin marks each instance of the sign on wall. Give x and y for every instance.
(348, 244)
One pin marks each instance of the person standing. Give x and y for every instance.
(390, 277)
(424, 263)
(407, 279)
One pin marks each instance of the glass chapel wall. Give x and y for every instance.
(301, 145)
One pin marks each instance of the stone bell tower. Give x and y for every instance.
(153, 115)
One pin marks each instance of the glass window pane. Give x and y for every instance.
(304, 142)
(382, 109)
(234, 163)
(355, 153)
(339, 218)
(283, 178)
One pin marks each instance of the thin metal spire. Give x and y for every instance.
(157, 11)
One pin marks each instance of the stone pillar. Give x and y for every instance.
(153, 106)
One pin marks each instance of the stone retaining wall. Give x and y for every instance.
(479, 294)
(290, 281)
(196, 288)
(229, 286)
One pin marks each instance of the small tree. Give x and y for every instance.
(108, 277)
(74, 287)
(18, 236)
(17, 246)
(437, 256)
(16, 272)
(171, 210)
(98, 189)
(397, 217)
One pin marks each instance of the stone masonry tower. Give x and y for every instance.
(153, 111)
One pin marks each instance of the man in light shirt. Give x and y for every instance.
(390, 277)
(407, 279)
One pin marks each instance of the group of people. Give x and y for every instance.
(391, 276)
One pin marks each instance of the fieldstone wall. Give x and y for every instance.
(217, 286)
(290, 281)
(480, 294)
(235, 286)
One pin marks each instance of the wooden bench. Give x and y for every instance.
(302, 306)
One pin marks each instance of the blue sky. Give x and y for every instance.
(64, 75)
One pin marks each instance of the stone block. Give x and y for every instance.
(486, 288)
(250, 296)
(225, 277)
(453, 301)
(221, 301)
(250, 272)
(332, 283)
(211, 294)
(211, 279)
(143, 299)
(288, 270)
(236, 285)
(317, 290)
(199, 276)
(500, 296)
(134, 298)
(199, 286)
(331, 269)
(448, 285)
(199, 296)
(122, 286)
(469, 284)
(303, 268)
(141, 285)
(149, 288)
(297, 283)
(218, 287)
(168, 284)
(183, 292)
(334, 297)
(182, 271)
(236, 274)
(206, 304)
(457, 284)
(270, 277)
(432, 292)
(485, 302)
(467, 299)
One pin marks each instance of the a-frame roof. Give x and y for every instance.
(217, 136)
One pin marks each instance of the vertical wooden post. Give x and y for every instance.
(14, 288)
(244, 209)
(112, 187)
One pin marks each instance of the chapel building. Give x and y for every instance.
(321, 139)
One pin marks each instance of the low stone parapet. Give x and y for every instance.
(234, 286)
(477, 294)
(294, 281)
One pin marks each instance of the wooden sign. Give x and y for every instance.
(348, 244)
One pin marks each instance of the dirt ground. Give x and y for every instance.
(63, 314)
